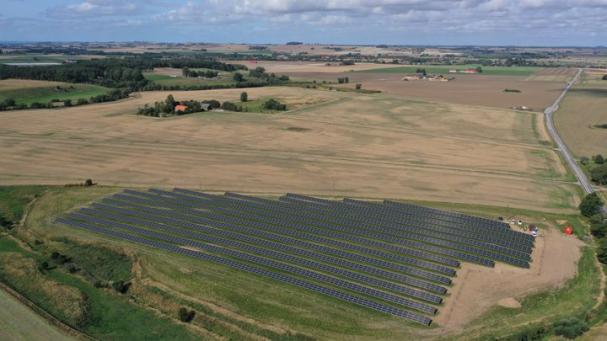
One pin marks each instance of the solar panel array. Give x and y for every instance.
(390, 257)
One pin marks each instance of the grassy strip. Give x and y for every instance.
(46, 94)
(102, 314)
(13, 200)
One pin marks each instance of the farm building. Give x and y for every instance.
(180, 108)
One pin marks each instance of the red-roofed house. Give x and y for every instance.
(180, 108)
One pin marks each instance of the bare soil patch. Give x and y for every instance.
(477, 289)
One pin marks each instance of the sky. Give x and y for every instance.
(403, 22)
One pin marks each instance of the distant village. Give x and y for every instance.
(421, 74)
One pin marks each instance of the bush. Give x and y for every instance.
(82, 101)
(605, 77)
(121, 286)
(238, 77)
(359, 86)
(598, 174)
(186, 315)
(273, 104)
(599, 230)
(244, 96)
(570, 328)
(37, 105)
(213, 104)
(590, 205)
(598, 159)
(584, 160)
(601, 251)
(229, 106)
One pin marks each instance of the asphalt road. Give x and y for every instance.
(577, 171)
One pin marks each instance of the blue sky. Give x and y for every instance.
(442, 22)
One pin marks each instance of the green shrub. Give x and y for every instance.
(244, 96)
(590, 205)
(571, 328)
(273, 104)
(601, 251)
(599, 230)
(599, 174)
(230, 106)
(186, 315)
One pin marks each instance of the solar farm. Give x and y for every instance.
(391, 257)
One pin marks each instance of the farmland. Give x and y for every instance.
(18, 322)
(29, 91)
(187, 230)
(582, 110)
(444, 69)
(409, 142)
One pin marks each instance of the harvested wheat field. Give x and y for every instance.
(581, 114)
(295, 68)
(330, 143)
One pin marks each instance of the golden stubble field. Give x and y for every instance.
(584, 107)
(330, 144)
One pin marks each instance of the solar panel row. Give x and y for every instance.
(256, 270)
(280, 235)
(394, 299)
(285, 255)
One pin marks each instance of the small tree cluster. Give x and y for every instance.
(273, 104)
(229, 106)
(598, 159)
(343, 80)
(195, 74)
(599, 174)
(167, 107)
(591, 205)
(570, 328)
(186, 315)
(244, 96)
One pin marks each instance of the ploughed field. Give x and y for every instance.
(394, 258)
(329, 143)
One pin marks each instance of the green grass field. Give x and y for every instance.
(444, 69)
(53, 91)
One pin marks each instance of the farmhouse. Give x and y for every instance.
(180, 108)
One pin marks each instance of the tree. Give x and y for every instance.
(590, 205)
(584, 160)
(238, 77)
(170, 104)
(359, 86)
(479, 69)
(598, 174)
(185, 72)
(244, 96)
(605, 77)
(598, 159)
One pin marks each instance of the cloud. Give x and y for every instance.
(528, 20)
